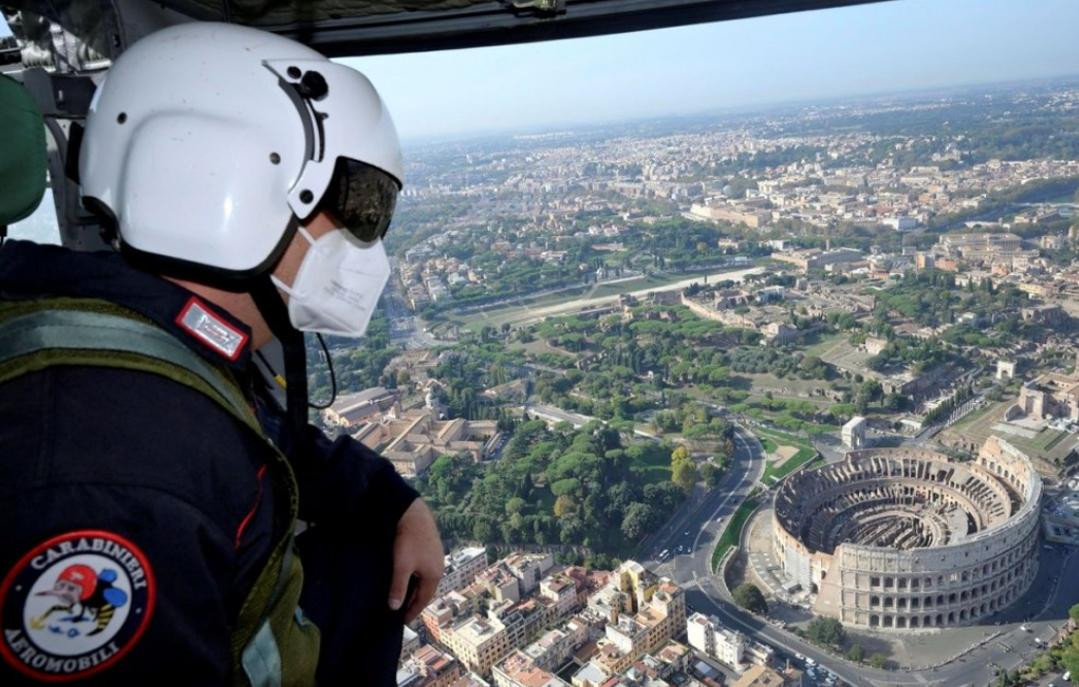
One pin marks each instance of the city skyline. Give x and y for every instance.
(891, 47)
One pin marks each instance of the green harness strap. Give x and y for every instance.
(271, 644)
(100, 335)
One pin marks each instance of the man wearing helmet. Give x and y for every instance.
(247, 182)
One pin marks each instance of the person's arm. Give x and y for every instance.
(346, 484)
(341, 480)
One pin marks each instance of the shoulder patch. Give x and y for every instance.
(75, 605)
(204, 324)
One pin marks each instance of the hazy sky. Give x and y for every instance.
(898, 45)
(883, 47)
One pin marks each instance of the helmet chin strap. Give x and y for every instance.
(273, 309)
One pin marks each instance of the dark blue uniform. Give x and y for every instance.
(135, 513)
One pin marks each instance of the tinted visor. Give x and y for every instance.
(362, 197)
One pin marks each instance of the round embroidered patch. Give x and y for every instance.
(74, 605)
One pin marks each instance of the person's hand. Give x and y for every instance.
(417, 550)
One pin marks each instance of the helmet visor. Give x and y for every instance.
(362, 197)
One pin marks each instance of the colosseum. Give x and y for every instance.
(902, 538)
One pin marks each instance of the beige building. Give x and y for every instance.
(980, 247)
(478, 643)
(853, 432)
(1005, 369)
(429, 667)
(643, 613)
(735, 214)
(763, 676)
(815, 259)
(554, 647)
(517, 670)
(529, 568)
(461, 567)
(1050, 395)
(709, 637)
(413, 439)
(441, 614)
(354, 410)
(500, 582)
(561, 591)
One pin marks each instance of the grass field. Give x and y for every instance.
(523, 308)
(1049, 444)
(825, 344)
(775, 472)
(627, 286)
(975, 415)
(733, 531)
(786, 389)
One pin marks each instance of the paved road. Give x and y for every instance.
(1007, 645)
(696, 526)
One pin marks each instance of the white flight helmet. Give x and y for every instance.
(207, 142)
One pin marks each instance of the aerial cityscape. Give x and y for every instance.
(697, 343)
(777, 398)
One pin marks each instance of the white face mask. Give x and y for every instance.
(338, 284)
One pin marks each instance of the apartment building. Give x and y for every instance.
(517, 670)
(707, 636)
(461, 568)
(429, 667)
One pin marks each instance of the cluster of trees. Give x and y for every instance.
(694, 421)
(355, 367)
(941, 412)
(469, 369)
(632, 364)
(775, 412)
(780, 363)
(578, 488)
(1064, 656)
(920, 355)
(930, 297)
(676, 244)
(829, 632)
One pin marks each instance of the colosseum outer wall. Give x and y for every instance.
(944, 585)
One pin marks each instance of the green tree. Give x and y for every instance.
(483, 530)
(679, 453)
(856, 653)
(749, 597)
(684, 474)
(1073, 613)
(1070, 660)
(827, 631)
(710, 473)
(1043, 664)
(878, 660)
(639, 519)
